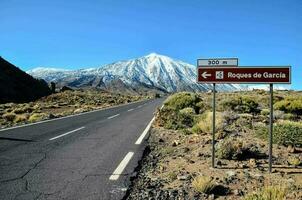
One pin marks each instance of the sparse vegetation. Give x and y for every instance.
(180, 157)
(60, 104)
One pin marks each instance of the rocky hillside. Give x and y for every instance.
(18, 86)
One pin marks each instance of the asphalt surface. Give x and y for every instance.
(74, 157)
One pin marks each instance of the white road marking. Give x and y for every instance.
(130, 109)
(140, 139)
(59, 118)
(139, 106)
(113, 116)
(120, 168)
(162, 106)
(66, 133)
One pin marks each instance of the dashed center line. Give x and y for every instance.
(120, 168)
(113, 116)
(66, 133)
(130, 109)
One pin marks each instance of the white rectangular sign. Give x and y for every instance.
(218, 62)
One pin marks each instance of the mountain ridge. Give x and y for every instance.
(153, 71)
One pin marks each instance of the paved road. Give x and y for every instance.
(89, 156)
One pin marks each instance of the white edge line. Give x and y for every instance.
(66, 133)
(120, 168)
(64, 117)
(130, 110)
(113, 116)
(142, 136)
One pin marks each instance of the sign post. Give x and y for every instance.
(226, 70)
(214, 125)
(215, 62)
(270, 151)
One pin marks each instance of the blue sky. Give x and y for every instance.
(78, 34)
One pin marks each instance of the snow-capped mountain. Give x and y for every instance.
(153, 71)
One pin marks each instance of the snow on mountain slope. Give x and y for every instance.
(152, 71)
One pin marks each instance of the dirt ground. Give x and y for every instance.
(175, 159)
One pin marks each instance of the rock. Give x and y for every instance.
(291, 181)
(161, 140)
(208, 141)
(51, 116)
(259, 177)
(231, 173)
(238, 192)
(291, 149)
(183, 177)
(199, 154)
(186, 149)
(252, 163)
(211, 197)
(243, 166)
(219, 163)
(175, 143)
(191, 161)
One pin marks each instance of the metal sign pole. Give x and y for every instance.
(271, 129)
(213, 136)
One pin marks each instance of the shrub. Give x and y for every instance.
(290, 105)
(284, 133)
(37, 117)
(182, 100)
(241, 104)
(269, 193)
(9, 116)
(204, 124)
(294, 161)
(203, 184)
(174, 119)
(230, 148)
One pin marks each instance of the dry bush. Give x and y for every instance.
(203, 184)
(231, 148)
(269, 193)
(204, 124)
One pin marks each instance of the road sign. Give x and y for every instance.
(244, 75)
(218, 62)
